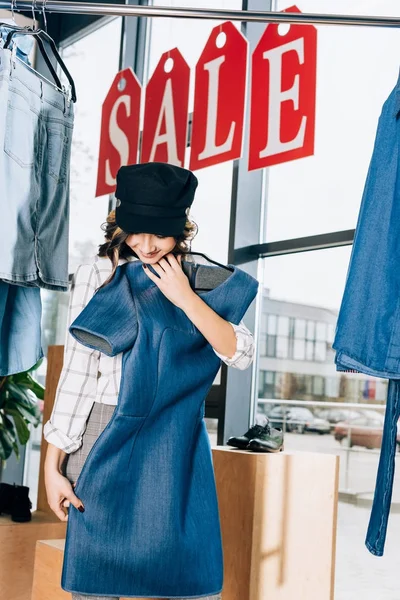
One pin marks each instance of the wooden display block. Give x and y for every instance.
(278, 517)
(17, 551)
(48, 567)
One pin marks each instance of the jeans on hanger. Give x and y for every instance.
(24, 43)
(20, 330)
(36, 124)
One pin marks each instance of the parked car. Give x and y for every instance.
(365, 431)
(298, 419)
(336, 415)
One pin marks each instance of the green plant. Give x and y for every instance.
(19, 395)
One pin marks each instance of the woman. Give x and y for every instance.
(153, 199)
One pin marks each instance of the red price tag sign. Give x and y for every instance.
(166, 111)
(283, 90)
(119, 137)
(219, 98)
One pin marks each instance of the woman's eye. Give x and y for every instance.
(161, 237)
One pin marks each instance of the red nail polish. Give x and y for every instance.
(81, 508)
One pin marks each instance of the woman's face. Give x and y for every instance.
(150, 247)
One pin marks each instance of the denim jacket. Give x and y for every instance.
(367, 337)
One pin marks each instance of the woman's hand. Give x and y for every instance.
(172, 281)
(60, 493)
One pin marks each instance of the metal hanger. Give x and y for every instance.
(211, 260)
(39, 35)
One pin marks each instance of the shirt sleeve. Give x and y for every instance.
(77, 385)
(108, 322)
(245, 348)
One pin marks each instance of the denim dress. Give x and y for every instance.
(367, 338)
(151, 524)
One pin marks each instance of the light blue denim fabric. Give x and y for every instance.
(367, 337)
(20, 318)
(36, 122)
(24, 43)
(151, 524)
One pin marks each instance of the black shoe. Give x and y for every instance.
(242, 441)
(6, 497)
(20, 511)
(271, 440)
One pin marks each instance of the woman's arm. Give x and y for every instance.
(76, 389)
(75, 394)
(217, 331)
(245, 348)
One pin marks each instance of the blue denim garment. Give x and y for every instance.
(36, 122)
(24, 43)
(367, 337)
(151, 524)
(20, 331)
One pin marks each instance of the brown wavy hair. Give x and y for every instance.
(115, 247)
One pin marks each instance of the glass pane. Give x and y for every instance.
(299, 350)
(309, 286)
(300, 329)
(272, 321)
(311, 330)
(354, 77)
(282, 347)
(283, 326)
(93, 65)
(321, 331)
(271, 345)
(309, 350)
(320, 351)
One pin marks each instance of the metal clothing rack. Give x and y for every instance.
(126, 10)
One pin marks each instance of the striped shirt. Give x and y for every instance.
(90, 376)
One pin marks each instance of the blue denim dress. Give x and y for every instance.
(151, 524)
(367, 338)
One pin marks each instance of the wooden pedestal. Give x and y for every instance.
(278, 517)
(17, 551)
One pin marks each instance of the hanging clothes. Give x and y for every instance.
(35, 136)
(24, 43)
(367, 337)
(20, 330)
(151, 524)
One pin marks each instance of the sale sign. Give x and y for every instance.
(166, 111)
(282, 104)
(283, 84)
(219, 98)
(119, 129)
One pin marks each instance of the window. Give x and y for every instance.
(282, 347)
(283, 326)
(321, 332)
(272, 324)
(299, 350)
(310, 330)
(271, 345)
(300, 329)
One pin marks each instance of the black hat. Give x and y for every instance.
(153, 198)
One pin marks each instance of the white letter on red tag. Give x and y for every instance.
(119, 136)
(282, 121)
(219, 98)
(166, 111)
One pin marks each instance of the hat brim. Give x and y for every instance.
(133, 223)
